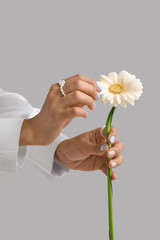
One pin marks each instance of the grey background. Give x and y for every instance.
(43, 41)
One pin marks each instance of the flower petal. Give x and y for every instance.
(130, 97)
(113, 76)
(124, 96)
(123, 77)
(115, 101)
(132, 92)
(104, 86)
(105, 78)
(111, 99)
(132, 103)
(104, 101)
(133, 85)
(135, 94)
(118, 98)
(123, 104)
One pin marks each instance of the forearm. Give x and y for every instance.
(19, 127)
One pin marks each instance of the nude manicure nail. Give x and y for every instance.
(98, 95)
(102, 148)
(111, 153)
(99, 87)
(112, 139)
(113, 164)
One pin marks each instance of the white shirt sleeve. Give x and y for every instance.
(14, 108)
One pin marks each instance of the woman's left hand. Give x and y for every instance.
(87, 151)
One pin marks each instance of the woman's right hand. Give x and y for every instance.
(58, 110)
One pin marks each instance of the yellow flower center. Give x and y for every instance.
(117, 88)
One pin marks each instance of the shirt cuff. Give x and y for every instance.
(43, 157)
(22, 152)
(11, 155)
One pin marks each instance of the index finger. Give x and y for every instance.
(86, 79)
(112, 134)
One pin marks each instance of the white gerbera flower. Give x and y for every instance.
(120, 88)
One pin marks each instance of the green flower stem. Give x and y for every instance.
(109, 176)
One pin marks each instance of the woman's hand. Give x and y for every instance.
(58, 110)
(87, 151)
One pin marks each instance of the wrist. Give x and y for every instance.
(60, 152)
(27, 133)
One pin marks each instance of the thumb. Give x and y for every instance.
(100, 135)
(96, 149)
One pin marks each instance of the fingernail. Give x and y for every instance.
(113, 164)
(98, 85)
(94, 105)
(102, 148)
(112, 139)
(98, 95)
(111, 153)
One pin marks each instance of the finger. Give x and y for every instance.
(75, 112)
(112, 135)
(104, 170)
(82, 86)
(115, 162)
(100, 139)
(96, 149)
(85, 78)
(99, 163)
(78, 97)
(114, 151)
(55, 91)
(114, 176)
